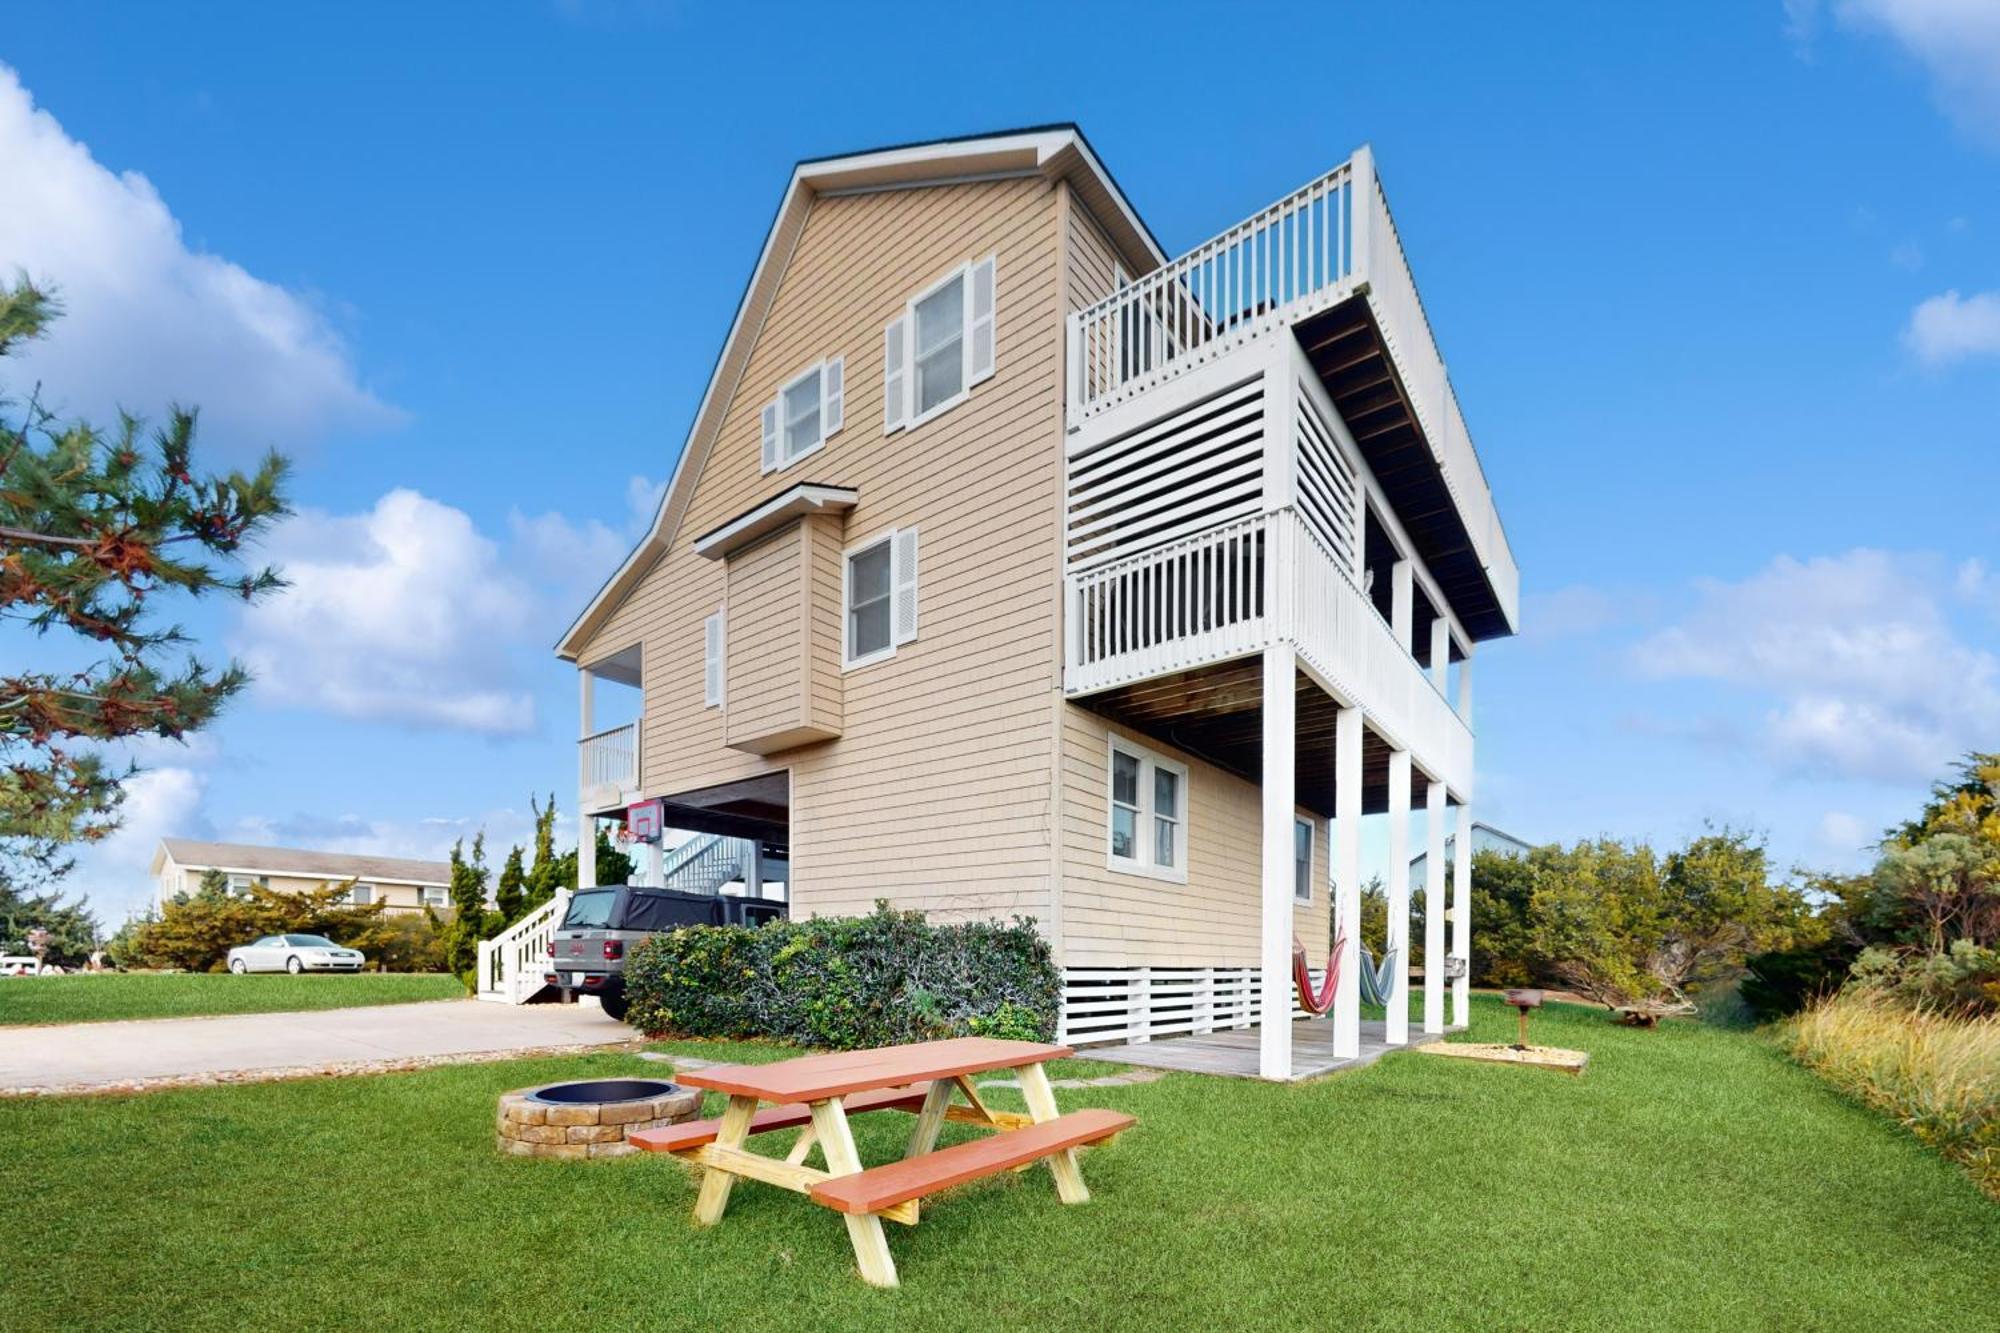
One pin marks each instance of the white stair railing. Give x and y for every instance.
(513, 963)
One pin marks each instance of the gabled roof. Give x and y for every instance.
(244, 857)
(1055, 151)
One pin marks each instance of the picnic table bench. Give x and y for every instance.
(925, 1079)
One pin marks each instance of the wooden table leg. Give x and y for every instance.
(871, 1247)
(1041, 1099)
(930, 1120)
(715, 1182)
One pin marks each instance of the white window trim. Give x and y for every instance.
(962, 274)
(820, 369)
(1148, 761)
(719, 696)
(849, 662)
(1312, 848)
(360, 886)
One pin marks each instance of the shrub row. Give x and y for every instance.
(841, 983)
(1936, 1073)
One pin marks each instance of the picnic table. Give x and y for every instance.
(925, 1079)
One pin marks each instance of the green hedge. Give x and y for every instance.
(840, 983)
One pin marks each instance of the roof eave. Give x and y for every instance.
(1054, 151)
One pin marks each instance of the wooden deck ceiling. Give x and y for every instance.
(1346, 347)
(1216, 712)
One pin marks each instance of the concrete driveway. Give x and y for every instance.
(103, 1057)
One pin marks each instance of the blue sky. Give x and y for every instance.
(1721, 297)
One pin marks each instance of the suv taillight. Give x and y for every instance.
(614, 948)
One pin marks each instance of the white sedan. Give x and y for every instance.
(294, 954)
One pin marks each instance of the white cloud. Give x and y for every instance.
(159, 803)
(150, 321)
(1956, 41)
(1950, 328)
(575, 558)
(1866, 675)
(403, 613)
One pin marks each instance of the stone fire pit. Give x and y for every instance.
(589, 1118)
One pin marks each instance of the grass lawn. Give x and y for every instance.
(86, 998)
(1693, 1179)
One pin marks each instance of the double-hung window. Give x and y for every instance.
(808, 409)
(1148, 819)
(433, 895)
(1302, 860)
(360, 895)
(940, 347)
(879, 597)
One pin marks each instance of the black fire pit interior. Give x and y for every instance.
(606, 1090)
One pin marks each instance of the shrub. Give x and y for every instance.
(1937, 1074)
(1784, 981)
(406, 942)
(195, 934)
(846, 982)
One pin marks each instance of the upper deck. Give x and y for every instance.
(1322, 267)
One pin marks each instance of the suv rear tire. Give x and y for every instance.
(615, 1006)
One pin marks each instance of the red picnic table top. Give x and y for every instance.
(813, 1078)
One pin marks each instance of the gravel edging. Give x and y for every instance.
(292, 1073)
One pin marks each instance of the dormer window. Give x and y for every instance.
(807, 410)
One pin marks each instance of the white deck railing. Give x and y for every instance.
(1344, 639)
(1209, 598)
(513, 963)
(1190, 602)
(1265, 271)
(610, 758)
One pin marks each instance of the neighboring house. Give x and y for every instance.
(1485, 838)
(1013, 567)
(405, 885)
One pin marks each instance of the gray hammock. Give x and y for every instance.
(1374, 981)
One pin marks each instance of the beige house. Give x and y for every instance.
(405, 885)
(1013, 566)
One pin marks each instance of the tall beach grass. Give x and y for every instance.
(1937, 1074)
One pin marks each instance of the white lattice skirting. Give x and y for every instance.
(1120, 1004)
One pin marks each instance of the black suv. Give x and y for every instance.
(587, 954)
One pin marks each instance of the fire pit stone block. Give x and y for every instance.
(562, 1120)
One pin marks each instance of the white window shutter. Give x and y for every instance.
(712, 660)
(832, 393)
(895, 374)
(903, 584)
(770, 436)
(979, 323)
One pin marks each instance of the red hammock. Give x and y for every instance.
(1316, 1002)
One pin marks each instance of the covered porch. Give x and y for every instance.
(1309, 741)
(1237, 1053)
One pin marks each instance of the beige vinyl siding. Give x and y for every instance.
(400, 897)
(765, 643)
(1091, 259)
(821, 613)
(1113, 918)
(936, 795)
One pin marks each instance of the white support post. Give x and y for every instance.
(1440, 653)
(586, 827)
(1402, 605)
(1274, 1047)
(1434, 890)
(1397, 1024)
(1461, 917)
(1465, 690)
(656, 865)
(1346, 866)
